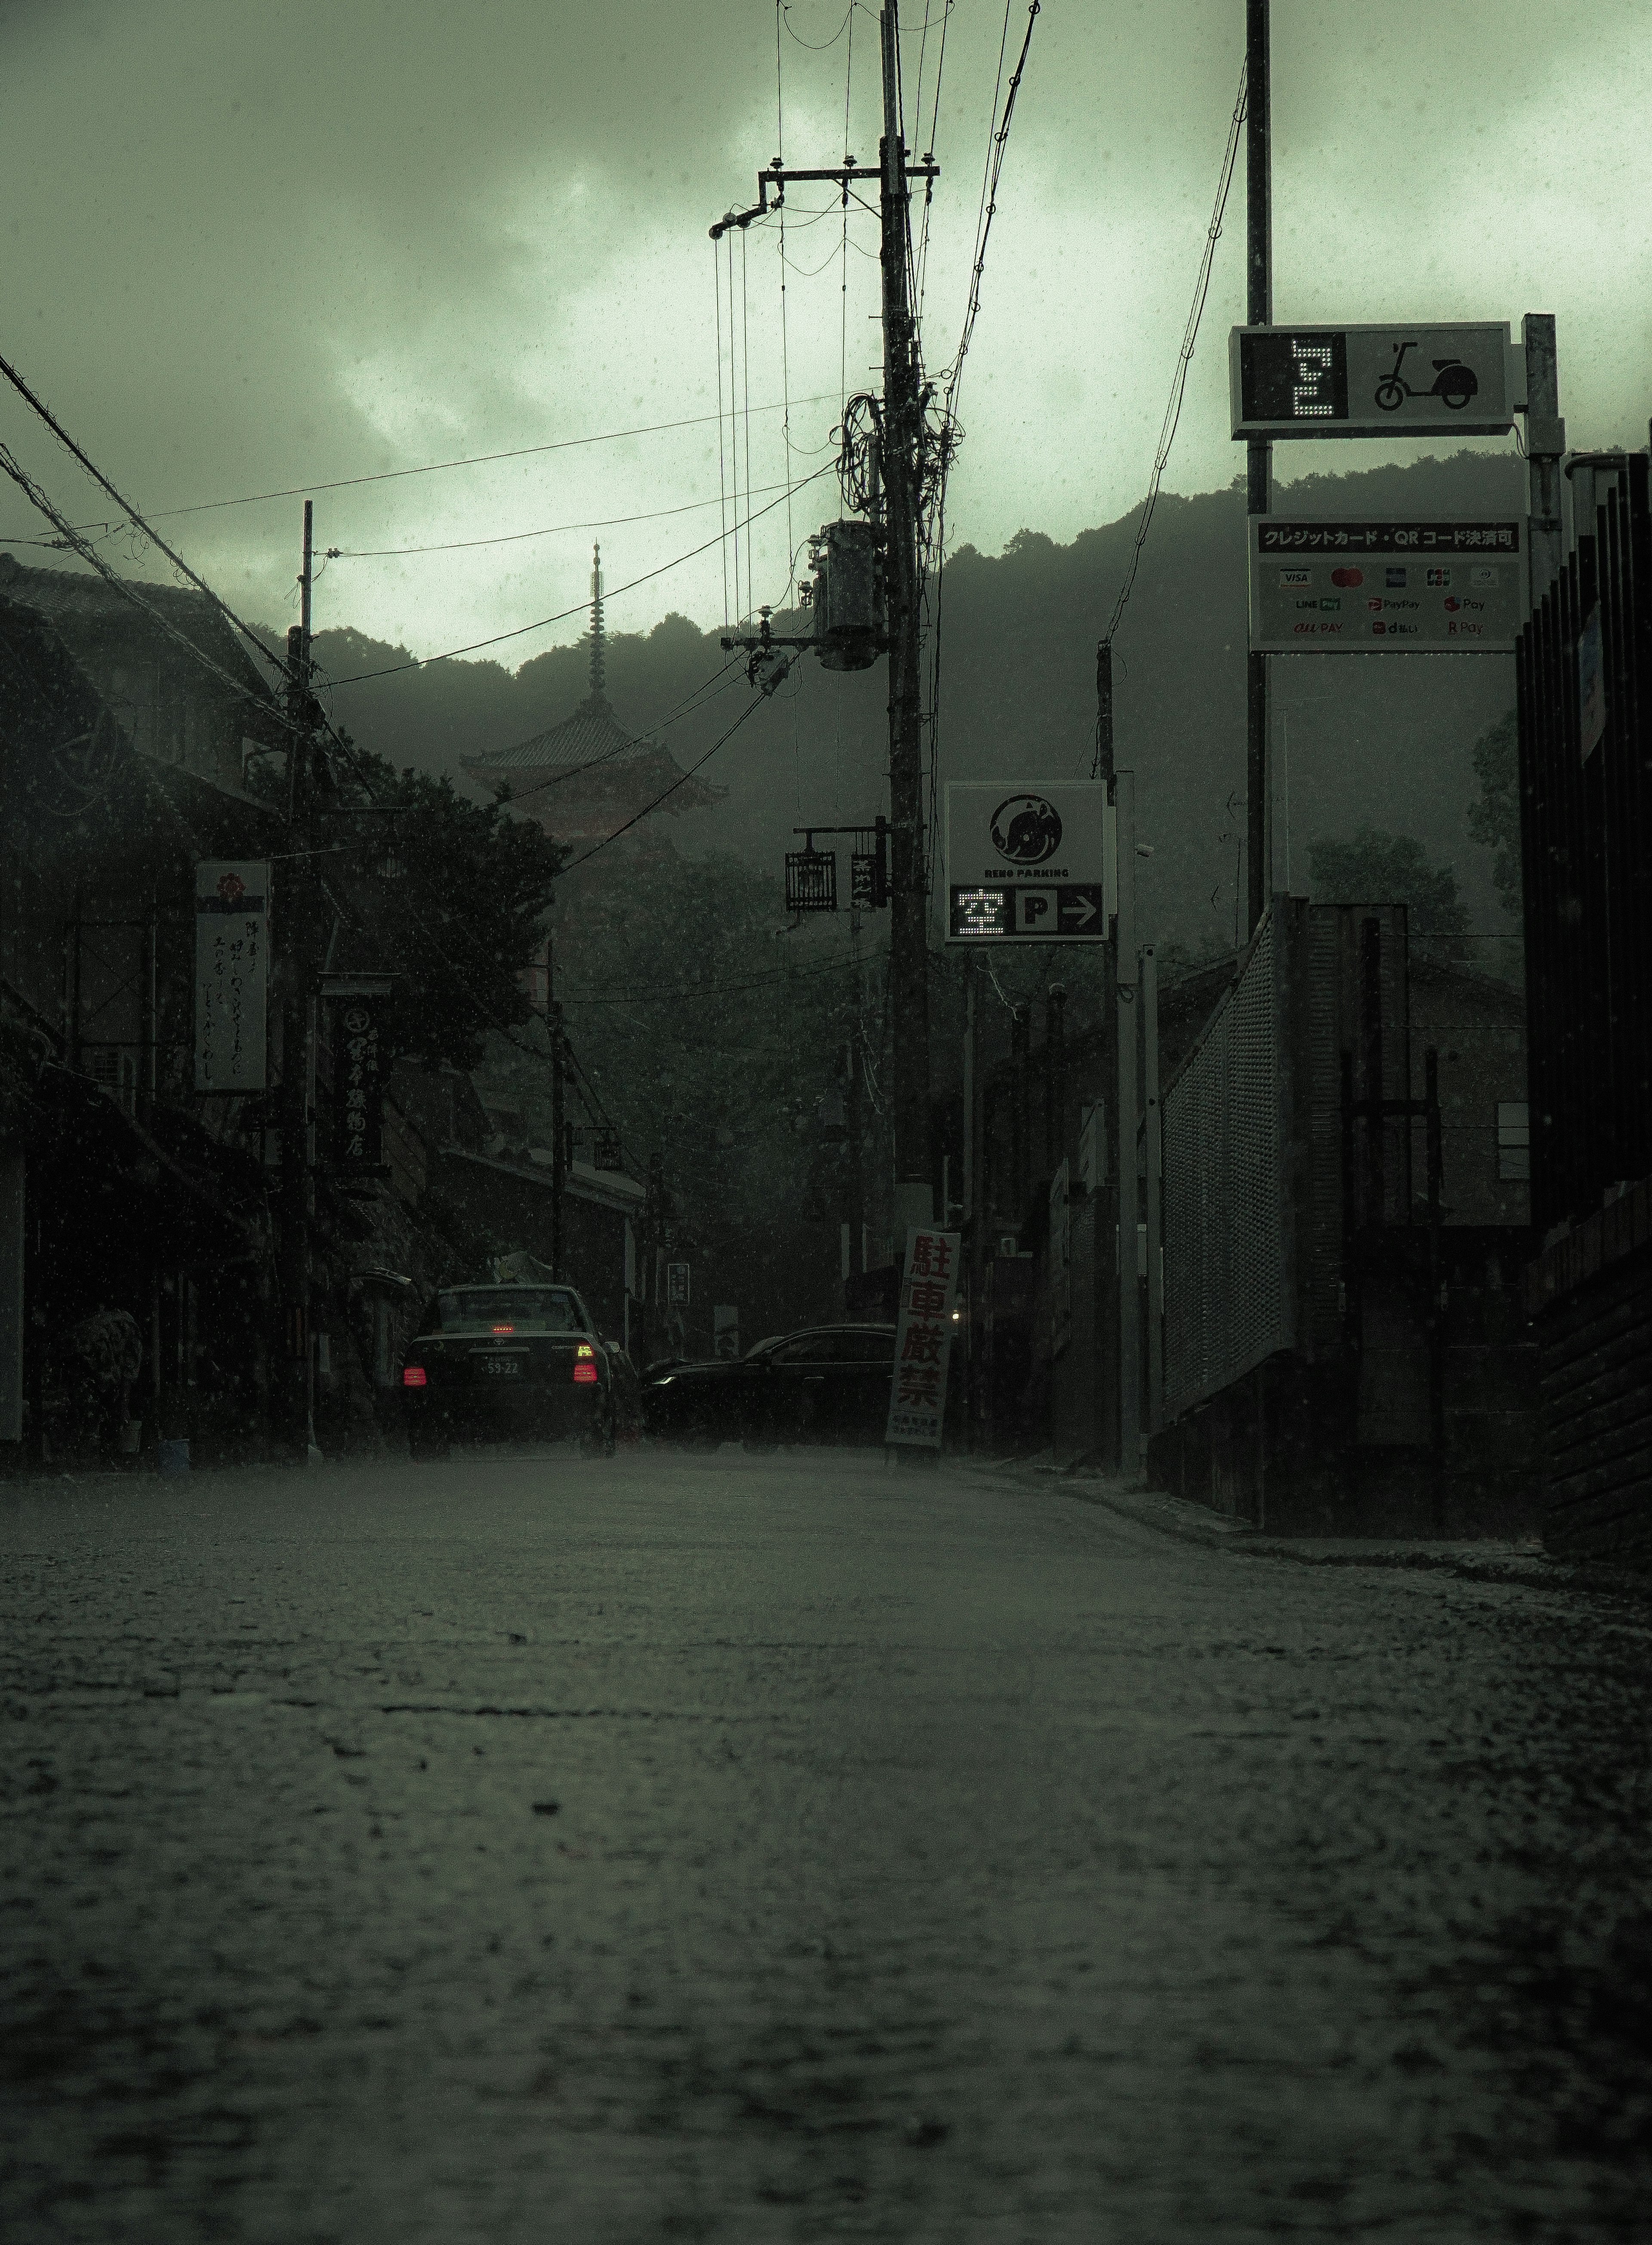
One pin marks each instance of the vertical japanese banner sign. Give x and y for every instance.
(358, 1085)
(232, 976)
(924, 1339)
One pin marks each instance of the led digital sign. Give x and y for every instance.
(1289, 376)
(1367, 380)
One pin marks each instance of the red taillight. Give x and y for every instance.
(505, 1328)
(413, 1376)
(585, 1375)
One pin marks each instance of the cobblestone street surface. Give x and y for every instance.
(759, 1849)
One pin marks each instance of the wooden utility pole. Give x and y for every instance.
(559, 1119)
(296, 902)
(1154, 1144)
(1545, 446)
(1259, 452)
(1127, 1054)
(902, 452)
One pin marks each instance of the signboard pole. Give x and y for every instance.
(923, 1339)
(559, 1133)
(1258, 451)
(1545, 444)
(1129, 1287)
(1155, 1187)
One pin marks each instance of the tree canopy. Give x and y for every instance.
(1371, 867)
(460, 918)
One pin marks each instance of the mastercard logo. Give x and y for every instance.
(1347, 577)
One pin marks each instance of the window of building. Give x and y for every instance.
(1514, 1139)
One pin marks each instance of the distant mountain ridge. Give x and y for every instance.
(1386, 739)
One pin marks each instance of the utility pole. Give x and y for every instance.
(1149, 1003)
(297, 1409)
(1545, 444)
(896, 486)
(1128, 1060)
(558, 1125)
(856, 1189)
(901, 464)
(1258, 451)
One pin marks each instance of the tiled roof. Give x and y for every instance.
(591, 733)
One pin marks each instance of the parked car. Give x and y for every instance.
(826, 1384)
(497, 1362)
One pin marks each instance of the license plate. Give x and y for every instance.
(502, 1367)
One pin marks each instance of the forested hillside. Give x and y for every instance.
(1384, 740)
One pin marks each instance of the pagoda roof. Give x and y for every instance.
(590, 734)
(586, 766)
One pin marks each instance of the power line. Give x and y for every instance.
(39, 406)
(586, 855)
(718, 683)
(1184, 357)
(998, 141)
(517, 537)
(423, 662)
(72, 539)
(471, 460)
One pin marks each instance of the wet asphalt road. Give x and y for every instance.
(787, 1848)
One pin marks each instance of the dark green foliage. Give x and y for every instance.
(710, 1037)
(463, 918)
(1384, 739)
(1494, 819)
(1374, 868)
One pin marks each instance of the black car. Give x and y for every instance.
(494, 1362)
(826, 1384)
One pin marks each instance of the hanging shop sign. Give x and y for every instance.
(231, 975)
(924, 1339)
(1385, 587)
(1029, 861)
(1404, 379)
(358, 1086)
(677, 1285)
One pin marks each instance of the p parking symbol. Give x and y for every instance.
(1031, 908)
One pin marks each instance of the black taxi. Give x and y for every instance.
(495, 1362)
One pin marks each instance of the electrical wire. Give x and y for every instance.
(745, 383)
(1172, 420)
(519, 537)
(998, 142)
(540, 623)
(722, 481)
(734, 424)
(818, 46)
(13, 468)
(718, 683)
(681, 780)
(471, 460)
(785, 352)
(39, 407)
(71, 538)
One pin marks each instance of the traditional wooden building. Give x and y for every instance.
(585, 777)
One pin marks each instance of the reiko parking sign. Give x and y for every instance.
(1029, 861)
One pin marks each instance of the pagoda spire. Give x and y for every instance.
(599, 665)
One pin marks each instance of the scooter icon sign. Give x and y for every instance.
(1454, 382)
(1370, 381)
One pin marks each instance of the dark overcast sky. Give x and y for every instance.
(260, 245)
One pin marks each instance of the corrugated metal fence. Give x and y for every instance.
(1584, 667)
(1229, 1299)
